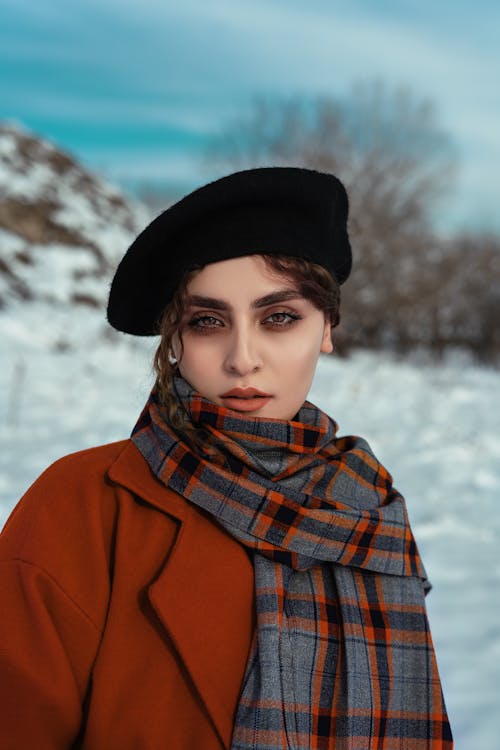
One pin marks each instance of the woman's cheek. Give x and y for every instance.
(297, 349)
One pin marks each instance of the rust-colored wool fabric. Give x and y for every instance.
(126, 613)
(342, 655)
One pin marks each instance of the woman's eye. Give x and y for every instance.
(204, 321)
(281, 319)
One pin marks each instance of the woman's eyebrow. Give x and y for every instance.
(275, 297)
(196, 300)
(272, 298)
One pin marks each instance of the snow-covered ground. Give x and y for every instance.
(434, 427)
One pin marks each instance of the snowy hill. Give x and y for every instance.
(62, 232)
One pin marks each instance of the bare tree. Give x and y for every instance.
(396, 162)
(384, 143)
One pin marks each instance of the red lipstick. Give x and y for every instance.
(245, 399)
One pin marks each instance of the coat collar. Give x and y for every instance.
(204, 595)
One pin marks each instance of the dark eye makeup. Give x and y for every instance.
(204, 323)
(283, 318)
(202, 320)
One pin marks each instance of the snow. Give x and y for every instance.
(35, 173)
(434, 427)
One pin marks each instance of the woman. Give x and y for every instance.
(234, 575)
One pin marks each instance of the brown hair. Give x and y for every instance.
(314, 282)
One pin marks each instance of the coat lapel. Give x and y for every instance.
(204, 596)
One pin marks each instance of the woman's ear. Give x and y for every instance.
(176, 346)
(326, 343)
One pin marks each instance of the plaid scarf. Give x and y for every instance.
(342, 656)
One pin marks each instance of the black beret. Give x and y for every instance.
(270, 210)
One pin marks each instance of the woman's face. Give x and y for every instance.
(248, 327)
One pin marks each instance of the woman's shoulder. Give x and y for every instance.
(89, 463)
(61, 531)
(66, 529)
(84, 472)
(72, 495)
(84, 492)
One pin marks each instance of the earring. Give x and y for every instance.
(172, 360)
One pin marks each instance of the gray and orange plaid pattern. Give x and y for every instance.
(342, 656)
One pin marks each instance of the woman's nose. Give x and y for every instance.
(242, 355)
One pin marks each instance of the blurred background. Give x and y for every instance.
(111, 111)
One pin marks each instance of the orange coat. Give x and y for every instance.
(126, 613)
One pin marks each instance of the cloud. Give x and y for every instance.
(186, 67)
(168, 48)
(196, 118)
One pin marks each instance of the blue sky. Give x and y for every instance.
(134, 89)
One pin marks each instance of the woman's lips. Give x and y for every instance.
(245, 399)
(247, 392)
